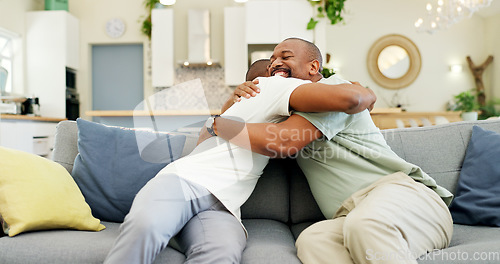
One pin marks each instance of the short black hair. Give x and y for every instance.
(258, 69)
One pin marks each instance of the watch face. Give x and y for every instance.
(210, 122)
(115, 27)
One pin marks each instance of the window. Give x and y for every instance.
(9, 43)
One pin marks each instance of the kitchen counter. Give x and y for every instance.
(154, 112)
(31, 118)
(384, 118)
(32, 134)
(162, 120)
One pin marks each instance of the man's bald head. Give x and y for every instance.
(312, 51)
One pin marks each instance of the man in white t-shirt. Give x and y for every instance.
(379, 208)
(213, 181)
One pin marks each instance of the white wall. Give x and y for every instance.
(493, 48)
(12, 13)
(93, 15)
(12, 19)
(368, 20)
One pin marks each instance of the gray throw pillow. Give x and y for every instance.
(114, 163)
(477, 199)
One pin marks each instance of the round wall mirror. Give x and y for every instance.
(394, 61)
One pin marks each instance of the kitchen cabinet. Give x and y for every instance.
(52, 45)
(31, 136)
(165, 120)
(235, 46)
(271, 21)
(162, 47)
(259, 22)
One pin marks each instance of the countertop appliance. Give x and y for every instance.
(72, 97)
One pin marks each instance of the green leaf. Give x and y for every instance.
(312, 24)
(466, 101)
(313, 3)
(326, 72)
(330, 12)
(330, 8)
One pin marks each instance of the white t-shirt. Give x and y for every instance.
(228, 171)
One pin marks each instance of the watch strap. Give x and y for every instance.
(210, 129)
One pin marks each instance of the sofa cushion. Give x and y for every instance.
(303, 206)
(450, 139)
(469, 244)
(269, 242)
(67, 246)
(477, 200)
(270, 199)
(38, 194)
(114, 163)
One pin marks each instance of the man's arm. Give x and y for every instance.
(288, 137)
(274, 140)
(319, 97)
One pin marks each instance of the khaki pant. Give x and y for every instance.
(394, 220)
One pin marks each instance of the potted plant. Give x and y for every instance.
(331, 9)
(467, 103)
(490, 109)
(146, 24)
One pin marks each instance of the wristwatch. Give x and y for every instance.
(210, 124)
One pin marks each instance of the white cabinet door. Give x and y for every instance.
(263, 22)
(44, 138)
(271, 21)
(72, 42)
(162, 48)
(235, 47)
(16, 135)
(51, 46)
(294, 16)
(28, 136)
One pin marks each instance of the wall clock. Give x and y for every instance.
(115, 27)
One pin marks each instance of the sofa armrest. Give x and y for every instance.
(66, 144)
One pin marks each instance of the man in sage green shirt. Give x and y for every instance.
(352, 155)
(379, 208)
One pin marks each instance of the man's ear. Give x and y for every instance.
(314, 68)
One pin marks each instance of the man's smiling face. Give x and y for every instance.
(290, 59)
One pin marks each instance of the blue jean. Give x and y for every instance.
(167, 205)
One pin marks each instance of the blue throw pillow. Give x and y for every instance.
(477, 199)
(114, 163)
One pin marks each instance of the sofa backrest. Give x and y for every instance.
(269, 201)
(66, 144)
(283, 194)
(438, 150)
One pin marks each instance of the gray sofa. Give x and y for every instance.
(279, 209)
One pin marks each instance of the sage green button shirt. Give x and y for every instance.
(352, 155)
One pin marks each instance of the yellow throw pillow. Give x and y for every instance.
(39, 194)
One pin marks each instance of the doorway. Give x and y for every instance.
(117, 76)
